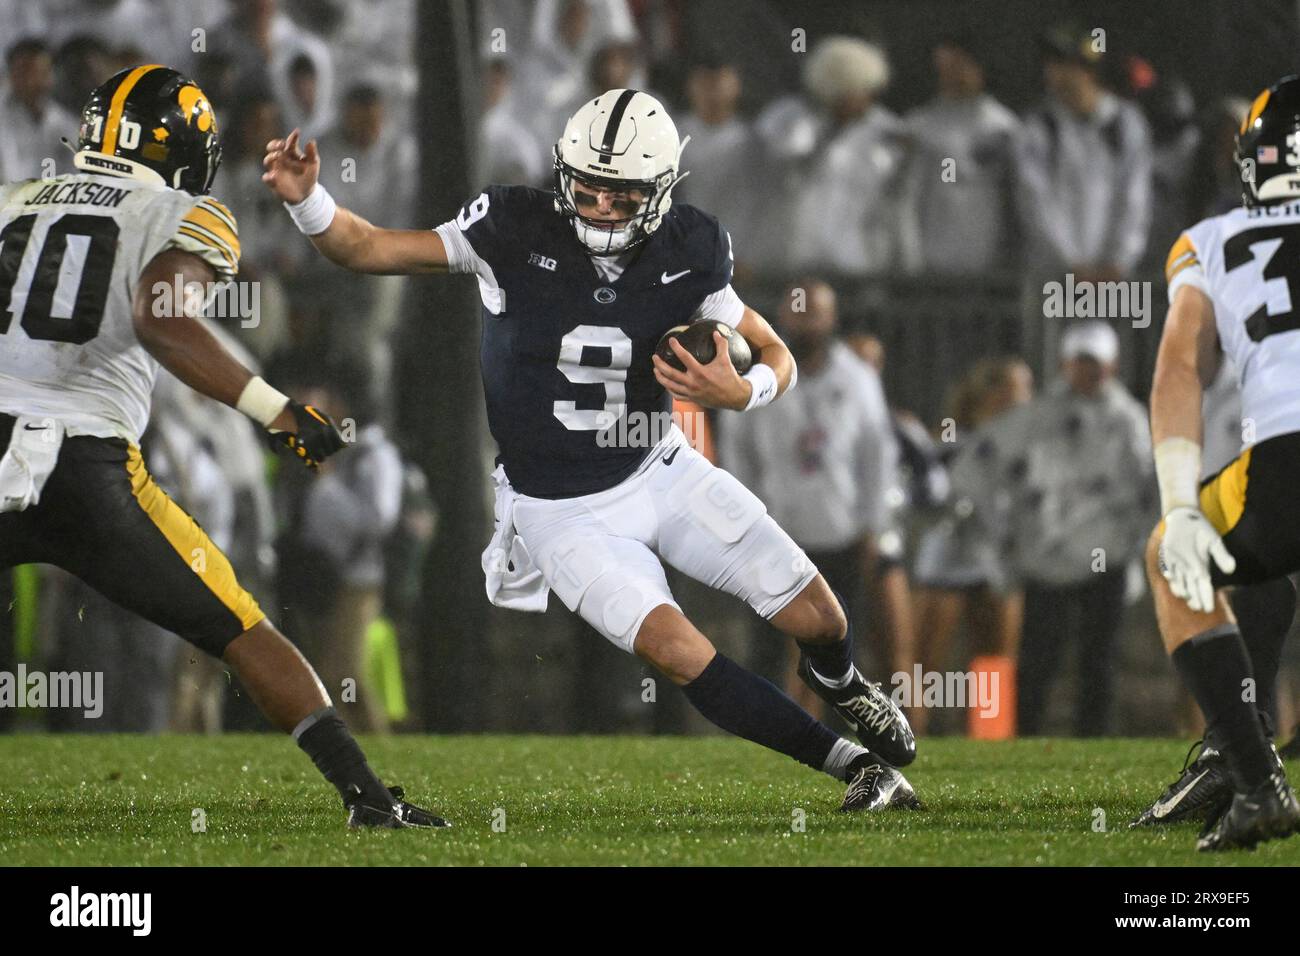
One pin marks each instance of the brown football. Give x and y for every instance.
(697, 338)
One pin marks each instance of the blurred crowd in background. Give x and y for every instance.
(983, 506)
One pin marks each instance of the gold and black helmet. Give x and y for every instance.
(151, 121)
(1268, 145)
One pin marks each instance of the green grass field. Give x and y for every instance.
(122, 801)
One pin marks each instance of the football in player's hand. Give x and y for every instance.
(697, 338)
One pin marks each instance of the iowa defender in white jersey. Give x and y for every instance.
(1234, 289)
(82, 333)
(578, 285)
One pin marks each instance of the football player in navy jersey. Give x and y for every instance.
(595, 486)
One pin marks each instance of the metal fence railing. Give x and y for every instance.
(934, 328)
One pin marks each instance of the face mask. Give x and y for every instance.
(603, 241)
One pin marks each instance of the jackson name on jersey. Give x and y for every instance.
(72, 249)
(1247, 262)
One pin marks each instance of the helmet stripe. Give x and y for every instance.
(119, 103)
(1255, 109)
(615, 121)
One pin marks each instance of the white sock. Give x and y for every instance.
(843, 752)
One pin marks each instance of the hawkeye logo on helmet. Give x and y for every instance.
(191, 99)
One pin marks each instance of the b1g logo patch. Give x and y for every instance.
(537, 259)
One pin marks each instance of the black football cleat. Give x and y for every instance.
(1268, 812)
(873, 715)
(1203, 789)
(874, 785)
(398, 815)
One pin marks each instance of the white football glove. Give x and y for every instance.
(1185, 551)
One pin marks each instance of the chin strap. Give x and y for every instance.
(1282, 186)
(664, 199)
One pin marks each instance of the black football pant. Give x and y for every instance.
(102, 518)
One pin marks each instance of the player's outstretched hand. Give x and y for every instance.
(314, 438)
(1189, 543)
(291, 172)
(716, 385)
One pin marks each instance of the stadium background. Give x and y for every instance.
(408, 349)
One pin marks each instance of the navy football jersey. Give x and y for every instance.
(566, 354)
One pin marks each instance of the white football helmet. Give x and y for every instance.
(624, 140)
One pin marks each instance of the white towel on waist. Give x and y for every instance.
(28, 461)
(513, 580)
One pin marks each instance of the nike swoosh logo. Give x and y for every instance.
(666, 278)
(35, 428)
(668, 458)
(1161, 810)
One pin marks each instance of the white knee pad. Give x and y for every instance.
(719, 532)
(617, 605)
(777, 571)
(612, 583)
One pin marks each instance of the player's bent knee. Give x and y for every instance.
(780, 574)
(612, 591)
(815, 616)
(669, 642)
(832, 623)
(618, 608)
(624, 611)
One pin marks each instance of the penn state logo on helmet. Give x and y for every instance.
(1268, 145)
(154, 124)
(622, 141)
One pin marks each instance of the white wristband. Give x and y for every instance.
(763, 381)
(1178, 472)
(314, 214)
(260, 402)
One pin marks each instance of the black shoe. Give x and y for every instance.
(397, 815)
(874, 785)
(1203, 787)
(873, 715)
(1268, 812)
